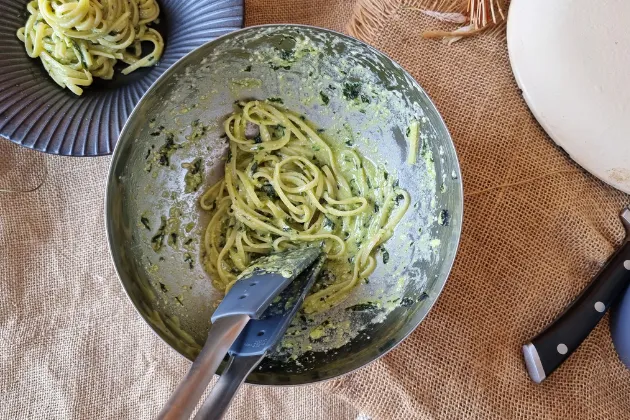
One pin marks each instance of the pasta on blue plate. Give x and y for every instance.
(79, 40)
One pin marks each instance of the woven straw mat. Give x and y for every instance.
(536, 229)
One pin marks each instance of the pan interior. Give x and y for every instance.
(355, 94)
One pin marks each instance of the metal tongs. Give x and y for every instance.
(250, 320)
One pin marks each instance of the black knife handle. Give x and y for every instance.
(547, 351)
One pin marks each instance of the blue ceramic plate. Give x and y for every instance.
(35, 112)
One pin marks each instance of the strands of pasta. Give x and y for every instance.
(285, 187)
(82, 39)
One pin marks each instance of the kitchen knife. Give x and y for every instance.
(547, 351)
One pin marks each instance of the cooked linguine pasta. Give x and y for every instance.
(82, 39)
(284, 187)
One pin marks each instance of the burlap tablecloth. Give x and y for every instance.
(536, 229)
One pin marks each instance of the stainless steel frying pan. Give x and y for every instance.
(358, 96)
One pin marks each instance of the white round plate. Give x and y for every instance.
(571, 58)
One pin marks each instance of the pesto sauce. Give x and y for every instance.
(158, 239)
(194, 175)
(198, 131)
(162, 156)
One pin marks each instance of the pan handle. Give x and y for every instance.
(219, 399)
(547, 351)
(187, 394)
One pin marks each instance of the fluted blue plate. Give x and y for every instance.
(37, 113)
